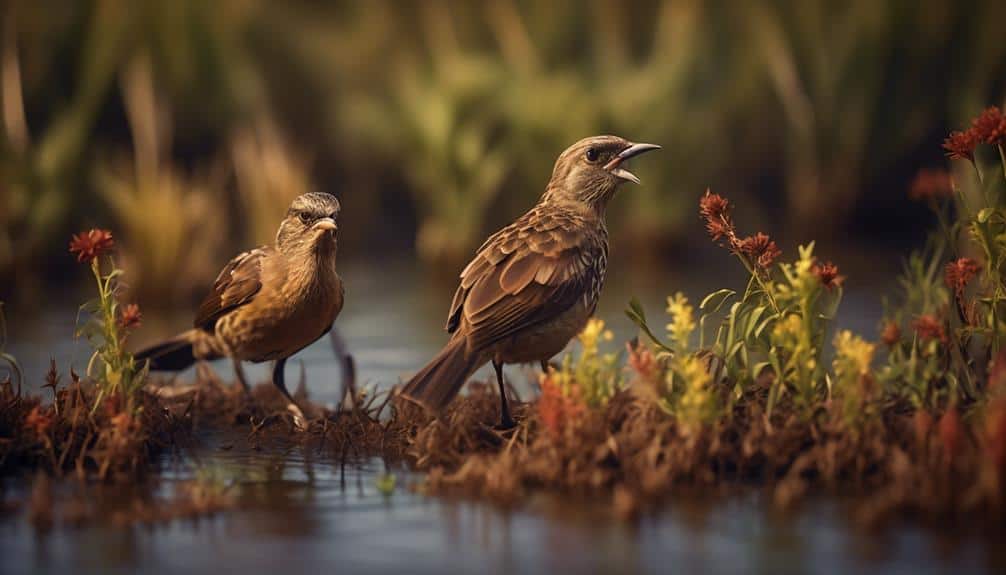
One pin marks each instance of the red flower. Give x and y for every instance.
(760, 248)
(990, 126)
(715, 210)
(930, 328)
(131, 316)
(961, 145)
(718, 229)
(91, 244)
(827, 274)
(931, 184)
(891, 334)
(713, 206)
(958, 273)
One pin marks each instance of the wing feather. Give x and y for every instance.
(525, 274)
(236, 285)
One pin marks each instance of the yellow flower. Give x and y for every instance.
(594, 332)
(682, 320)
(786, 333)
(698, 403)
(853, 355)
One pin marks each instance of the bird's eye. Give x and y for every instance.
(305, 217)
(591, 154)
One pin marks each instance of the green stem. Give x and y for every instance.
(1002, 160)
(761, 284)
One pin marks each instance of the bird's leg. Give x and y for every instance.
(348, 366)
(242, 379)
(278, 379)
(506, 422)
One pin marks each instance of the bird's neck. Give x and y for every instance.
(593, 211)
(311, 267)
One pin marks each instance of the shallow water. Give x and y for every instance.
(301, 511)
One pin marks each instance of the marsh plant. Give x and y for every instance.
(948, 324)
(13, 367)
(116, 374)
(582, 381)
(773, 333)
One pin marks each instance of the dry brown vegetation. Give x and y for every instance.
(74, 434)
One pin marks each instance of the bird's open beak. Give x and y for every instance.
(615, 165)
(325, 224)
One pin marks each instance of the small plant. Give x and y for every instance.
(586, 381)
(10, 360)
(110, 366)
(774, 332)
(953, 292)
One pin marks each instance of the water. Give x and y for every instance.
(301, 511)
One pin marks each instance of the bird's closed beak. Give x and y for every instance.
(615, 165)
(325, 224)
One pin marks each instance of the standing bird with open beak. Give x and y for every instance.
(534, 284)
(270, 302)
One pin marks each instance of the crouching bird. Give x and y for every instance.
(534, 284)
(270, 302)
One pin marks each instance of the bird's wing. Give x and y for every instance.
(526, 274)
(236, 285)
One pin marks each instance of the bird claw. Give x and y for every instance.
(505, 425)
(299, 421)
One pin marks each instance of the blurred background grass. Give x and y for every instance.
(186, 126)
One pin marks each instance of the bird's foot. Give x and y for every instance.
(299, 421)
(506, 424)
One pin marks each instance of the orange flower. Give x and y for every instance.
(642, 360)
(38, 421)
(891, 334)
(958, 273)
(930, 328)
(131, 316)
(760, 248)
(922, 423)
(995, 435)
(961, 145)
(122, 423)
(997, 372)
(91, 244)
(951, 433)
(990, 126)
(827, 274)
(931, 184)
(555, 408)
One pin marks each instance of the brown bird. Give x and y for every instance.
(270, 302)
(534, 284)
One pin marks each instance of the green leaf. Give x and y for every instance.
(636, 314)
(758, 367)
(985, 214)
(753, 321)
(714, 301)
(764, 324)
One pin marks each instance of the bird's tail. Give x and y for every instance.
(440, 381)
(174, 354)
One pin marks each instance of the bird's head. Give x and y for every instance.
(310, 223)
(591, 170)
